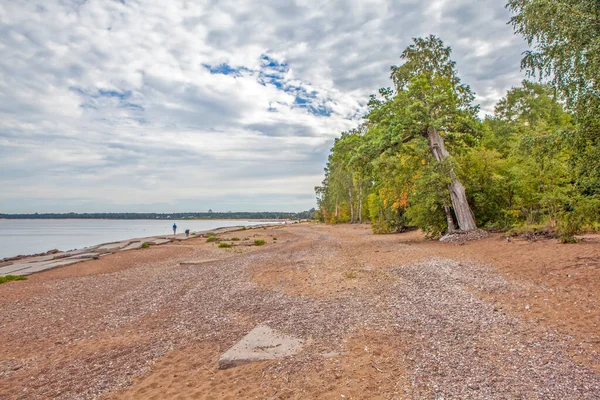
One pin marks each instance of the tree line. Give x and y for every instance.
(424, 158)
(186, 215)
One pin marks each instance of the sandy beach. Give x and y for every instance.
(380, 316)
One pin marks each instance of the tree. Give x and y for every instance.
(565, 40)
(434, 103)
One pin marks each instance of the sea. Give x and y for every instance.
(32, 236)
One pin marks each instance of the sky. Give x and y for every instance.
(174, 106)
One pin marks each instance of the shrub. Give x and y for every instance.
(145, 245)
(194, 233)
(259, 242)
(274, 238)
(224, 245)
(8, 278)
(210, 234)
(212, 239)
(565, 239)
(244, 228)
(350, 275)
(235, 239)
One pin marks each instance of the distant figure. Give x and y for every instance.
(174, 228)
(187, 233)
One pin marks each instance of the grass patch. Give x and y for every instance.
(9, 278)
(145, 245)
(212, 239)
(565, 239)
(210, 234)
(244, 228)
(235, 239)
(259, 242)
(350, 275)
(224, 245)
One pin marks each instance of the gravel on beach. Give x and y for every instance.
(81, 336)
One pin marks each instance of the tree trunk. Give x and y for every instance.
(462, 210)
(360, 204)
(449, 219)
(336, 209)
(351, 206)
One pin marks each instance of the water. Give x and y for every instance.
(31, 236)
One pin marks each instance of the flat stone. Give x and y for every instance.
(260, 344)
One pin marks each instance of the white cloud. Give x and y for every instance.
(109, 105)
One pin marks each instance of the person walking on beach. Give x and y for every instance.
(174, 228)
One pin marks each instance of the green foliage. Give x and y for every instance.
(9, 278)
(532, 167)
(145, 245)
(212, 239)
(224, 245)
(259, 242)
(235, 239)
(350, 275)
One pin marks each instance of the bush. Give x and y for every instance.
(259, 242)
(212, 239)
(235, 239)
(244, 228)
(8, 278)
(350, 275)
(210, 234)
(145, 245)
(274, 238)
(224, 245)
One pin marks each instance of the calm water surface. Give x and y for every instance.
(31, 236)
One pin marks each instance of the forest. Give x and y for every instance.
(423, 157)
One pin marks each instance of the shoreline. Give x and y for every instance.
(23, 265)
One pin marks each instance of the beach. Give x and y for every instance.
(379, 316)
(34, 236)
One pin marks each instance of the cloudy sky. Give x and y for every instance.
(153, 105)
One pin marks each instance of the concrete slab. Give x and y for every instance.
(159, 241)
(85, 256)
(14, 268)
(112, 246)
(133, 246)
(196, 262)
(39, 267)
(260, 344)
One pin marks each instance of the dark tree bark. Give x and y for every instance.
(449, 219)
(462, 210)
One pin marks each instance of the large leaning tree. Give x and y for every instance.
(435, 104)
